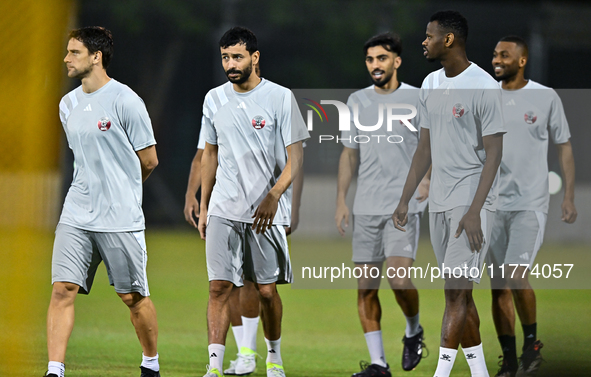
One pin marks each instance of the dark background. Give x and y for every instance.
(167, 52)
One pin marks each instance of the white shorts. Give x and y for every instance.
(375, 238)
(516, 237)
(455, 252)
(77, 254)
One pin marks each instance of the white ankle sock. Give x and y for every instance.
(412, 326)
(447, 356)
(274, 351)
(238, 332)
(150, 362)
(216, 356)
(249, 332)
(57, 368)
(375, 346)
(475, 358)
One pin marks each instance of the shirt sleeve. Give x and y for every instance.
(201, 142)
(290, 121)
(558, 124)
(348, 137)
(136, 122)
(490, 112)
(422, 116)
(208, 132)
(63, 118)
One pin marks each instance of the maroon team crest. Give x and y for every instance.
(458, 110)
(258, 122)
(104, 124)
(530, 117)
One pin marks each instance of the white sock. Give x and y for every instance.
(274, 351)
(216, 356)
(447, 356)
(375, 346)
(412, 326)
(238, 334)
(150, 362)
(475, 358)
(249, 332)
(57, 368)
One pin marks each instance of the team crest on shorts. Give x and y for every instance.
(258, 122)
(530, 117)
(458, 110)
(104, 124)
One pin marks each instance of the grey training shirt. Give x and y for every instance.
(104, 129)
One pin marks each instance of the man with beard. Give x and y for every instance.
(253, 134)
(379, 186)
(244, 301)
(462, 136)
(533, 113)
(110, 134)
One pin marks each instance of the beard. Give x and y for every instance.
(386, 77)
(244, 75)
(509, 72)
(80, 74)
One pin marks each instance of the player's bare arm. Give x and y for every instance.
(423, 189)
(191, 203)
(493, 146)
(298, 186)
(347, 165)
(567, 165)
(209, 166)
(148, 161)
(265, 212)
(419, 167)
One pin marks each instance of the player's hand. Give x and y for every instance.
(569, 212)
(471, 224)
(264, 214)
(400, 216)
(295, 221)
(202, 223)
(191, 210)
(341, 215)
(423, 190)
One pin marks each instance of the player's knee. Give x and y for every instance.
(267, 292)
(131, 299)
(456, 296)
(367, 294)
(220, 289)
(398, 284)
(63, 292)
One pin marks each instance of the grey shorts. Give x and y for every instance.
(77, 254)
(455, 252)
(516, 237)
(233, 249)
(375, 238)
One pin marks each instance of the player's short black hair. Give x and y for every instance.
(452, 21)
(389, 41)
(96, 38)
(240, 35)
(520, 42)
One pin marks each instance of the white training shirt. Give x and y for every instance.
(251, 131)
(383, 165)
(459, 111)
(104, 129)
(533, 114)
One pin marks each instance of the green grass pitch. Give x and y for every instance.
(321, 332)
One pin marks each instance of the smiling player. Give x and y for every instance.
(379, 186)
(533, 113)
